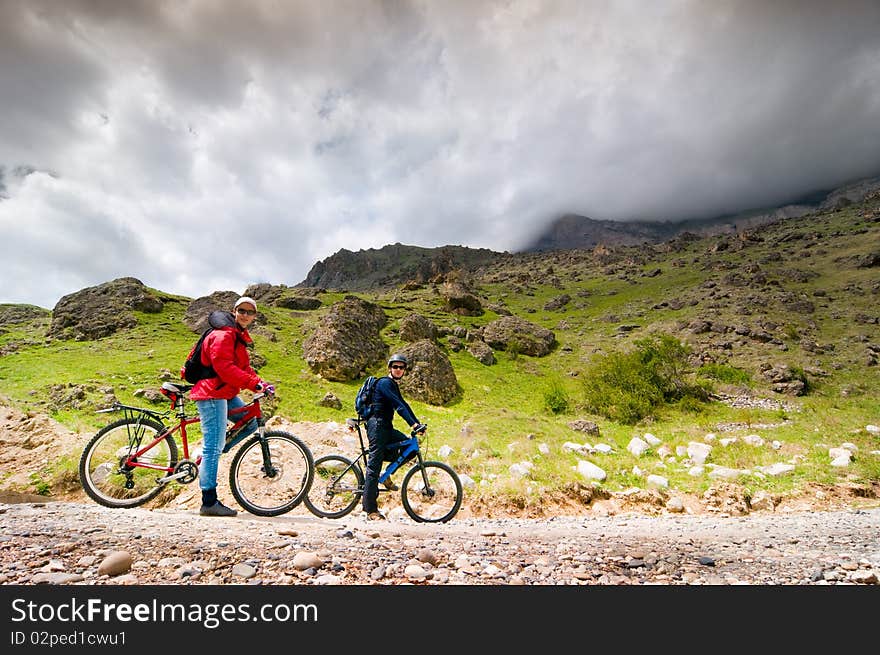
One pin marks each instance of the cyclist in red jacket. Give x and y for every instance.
(226, 350)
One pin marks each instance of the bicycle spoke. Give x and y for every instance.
(278, 488)
(437, 501)
(336, 489)
(106, 476)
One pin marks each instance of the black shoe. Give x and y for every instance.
(217, 509)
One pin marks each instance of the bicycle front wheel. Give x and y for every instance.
(105, 474)
(337, 487)
(270, 475)
(431, 492)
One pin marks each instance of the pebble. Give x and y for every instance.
(177, 546)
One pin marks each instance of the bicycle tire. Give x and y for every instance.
(446, 493)
(332, 496)
(271, 495)
(102, 475)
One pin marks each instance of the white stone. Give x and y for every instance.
(851, 447)
(520, 469)
(603, 448)
(753, 440)
(698, 452)
(873, 429)
(651, 439)
(544, 449)
(725, 473)
(573, 447)
(657, 482)
(444, 451)
(727, 441)
(777, 469)
(466, 481)
(590, 471)
(636, 446)
(695, 471)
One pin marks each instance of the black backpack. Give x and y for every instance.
(364, 398)
(193, 369)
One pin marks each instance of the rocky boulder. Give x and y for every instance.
(430, 377)
(460, 300)
(514, 333)
(280, 295)
(415, 327)
(99, 311)
(196, 315)
(481, 352)
(347, 340)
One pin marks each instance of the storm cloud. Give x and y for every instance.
(205, 145)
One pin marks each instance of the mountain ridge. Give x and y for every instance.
(396, 264)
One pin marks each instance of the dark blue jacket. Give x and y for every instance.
(387, 400)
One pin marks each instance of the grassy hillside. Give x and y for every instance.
(802, 293)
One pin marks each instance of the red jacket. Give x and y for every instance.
(225, 349)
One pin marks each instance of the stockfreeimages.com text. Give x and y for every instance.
(210, 615)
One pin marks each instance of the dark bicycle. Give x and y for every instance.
(130, 461)
(431, 492)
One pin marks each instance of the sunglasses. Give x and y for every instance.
(246, 312)
(398, 367)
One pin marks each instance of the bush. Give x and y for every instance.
(629, 386)
(724, 373)
(556, 400)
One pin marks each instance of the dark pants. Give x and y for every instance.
(380, 433)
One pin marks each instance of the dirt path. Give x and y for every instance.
(65, 543)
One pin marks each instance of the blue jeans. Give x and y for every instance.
(214, 414)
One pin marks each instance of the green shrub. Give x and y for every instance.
(629, 386)
(556, 400)
(725, 373)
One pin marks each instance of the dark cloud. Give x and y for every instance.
(296, 129)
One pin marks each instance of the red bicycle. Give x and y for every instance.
(130, 461)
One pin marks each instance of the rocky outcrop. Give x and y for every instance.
(197, 312)
(512, 333)
(415, 327)
(430, 377)
(393, 265)
(99, 311)
(280, 295)
(347, 341)
(459, 299)
(12, 314)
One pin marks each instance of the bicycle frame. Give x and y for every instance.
(407, 446)
(249, 411)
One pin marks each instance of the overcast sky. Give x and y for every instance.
(204, 145)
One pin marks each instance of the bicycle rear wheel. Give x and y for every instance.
(431, 492)
(105, 476)
(270, 475)
(337, 487)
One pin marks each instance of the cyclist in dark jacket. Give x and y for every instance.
(386, 401)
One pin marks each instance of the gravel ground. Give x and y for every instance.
(85, 544)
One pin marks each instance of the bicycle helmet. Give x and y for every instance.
(397, 357)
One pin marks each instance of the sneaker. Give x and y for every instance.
(375, 516)
(389, 485)
(217, 509)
